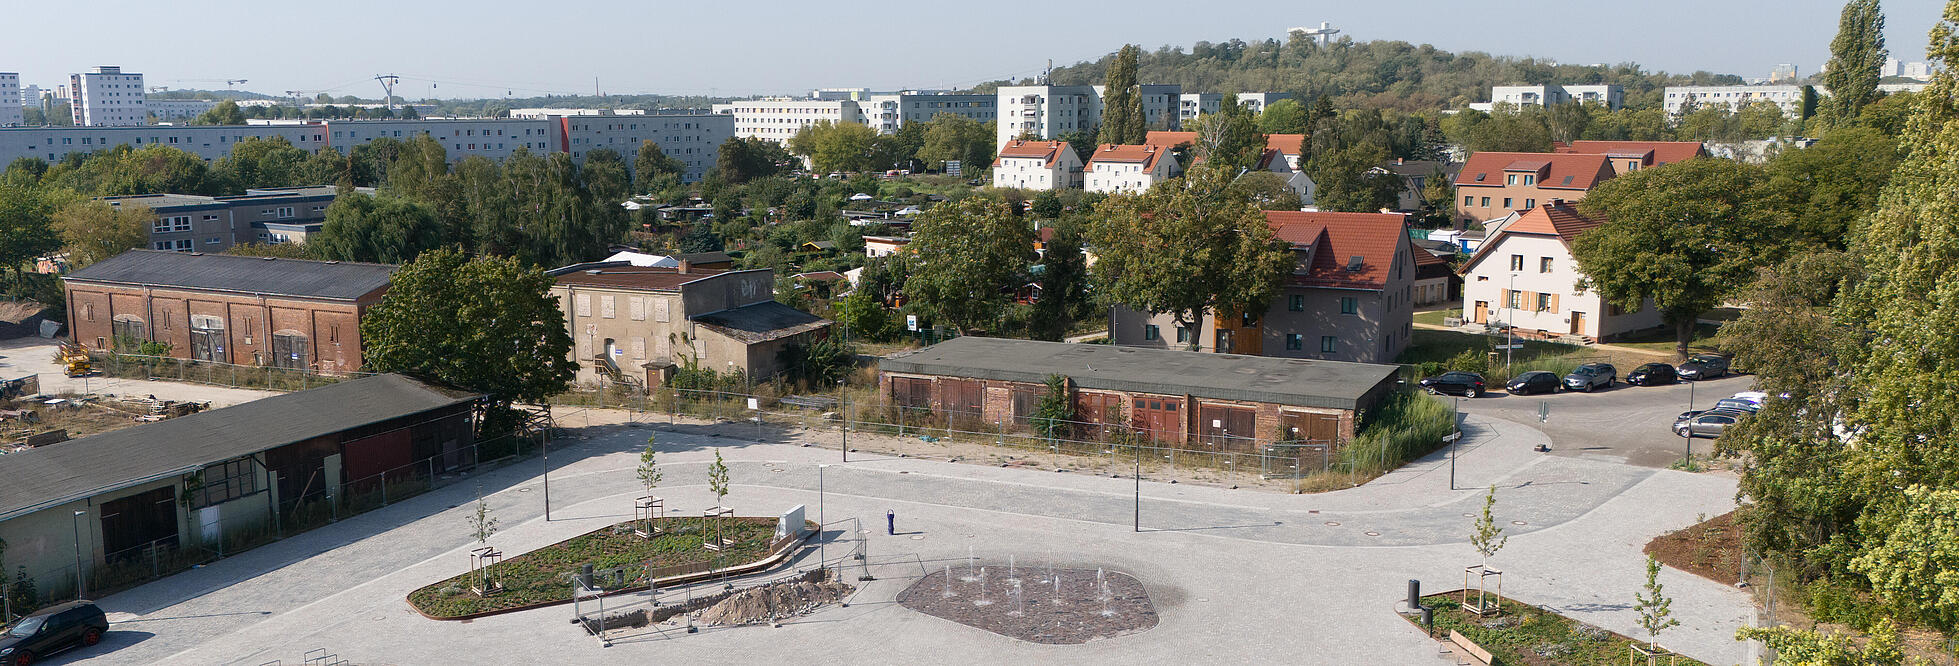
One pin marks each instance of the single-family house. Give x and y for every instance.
(1524, 276)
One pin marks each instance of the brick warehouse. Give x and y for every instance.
(1192, 398)
(286, 313)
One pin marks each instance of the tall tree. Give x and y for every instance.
(967, 256)
(93, 230)
(260, 162)
(1856, 60)
(1834, 183)
(1064, 283)
(1317, 115)
(489, 324)
(1283, 116)
(26, 230)
(1230, 137)
(1122, 100)
(1685, 235)
(1185, 248)
(833, 147)
(384, 229)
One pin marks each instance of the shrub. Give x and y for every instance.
(1470, 360)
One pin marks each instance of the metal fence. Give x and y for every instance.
(314, 506)
(1107, 443)
(169, 368)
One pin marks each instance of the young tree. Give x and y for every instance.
(1122, 101)
(649, 469)
(1184, 248)
(1486, 535)
(717, 479)
(488, 325)
(94, 230)
(1857, 57)
(965, 255)
(1054, 414)
(1654, 608)
(1685, 235)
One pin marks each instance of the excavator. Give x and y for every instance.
(74, 359)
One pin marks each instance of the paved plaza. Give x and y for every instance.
(1236, 575)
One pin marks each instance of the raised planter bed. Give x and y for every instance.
(1528, 635)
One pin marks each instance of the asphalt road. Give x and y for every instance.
(1628, 424)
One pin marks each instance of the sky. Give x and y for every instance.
(494, 48)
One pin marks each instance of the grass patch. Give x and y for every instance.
(1403, 428)
(1526, 634)
(1662, 339)
(1435, 317)
(541, 575)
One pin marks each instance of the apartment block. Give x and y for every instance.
(1045, 112)
(692, 138)
(1256, 102)
(177, 110)
(778, 119)
(888, 112)
(209, 142)
(1493, 185)
(196, 223)
(1610, 95)
(107, 97)
(1789, 98)
(10, 100)
(1629, 156)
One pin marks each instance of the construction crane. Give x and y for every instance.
(228, 83)
(388, 82)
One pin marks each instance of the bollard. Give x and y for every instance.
(1414, 594)
(1428, 619)
(890, 523)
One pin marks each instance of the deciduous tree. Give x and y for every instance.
(93, 230)
(966, 257)
(1856, 64)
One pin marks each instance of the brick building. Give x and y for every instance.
(286, 313)
(1191, 398)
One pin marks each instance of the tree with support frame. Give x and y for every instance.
(717, 481)
(482, 526)
(646, 508)
(1655, 613)
(1488, 539)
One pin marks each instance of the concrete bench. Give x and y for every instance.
(1466, 651)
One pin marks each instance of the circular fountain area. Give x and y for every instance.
(1035, 604)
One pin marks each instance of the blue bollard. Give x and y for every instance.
(890, 523)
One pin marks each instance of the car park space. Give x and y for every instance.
(1624, 423)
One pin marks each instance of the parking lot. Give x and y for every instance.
(1624, 423)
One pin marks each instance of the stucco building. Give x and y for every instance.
(1493, 185)
(1037, 165)
(636, 325)
(1524, 275)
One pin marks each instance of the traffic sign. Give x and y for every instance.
(1510, 346)
(1452, 436)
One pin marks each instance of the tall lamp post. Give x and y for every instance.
(81, 587)
(1139, 487)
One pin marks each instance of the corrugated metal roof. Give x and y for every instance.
(336, 280)
(56, 474)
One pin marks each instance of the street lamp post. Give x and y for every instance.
(81, 587)
(1139, 488)
(544, 458)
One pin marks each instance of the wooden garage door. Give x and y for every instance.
(1098, 411)
(962, 398)
(1227, 427)
(1160, 419)
(1311, 428)
(911, 392)
(130, 523)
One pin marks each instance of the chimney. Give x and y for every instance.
(684, 266)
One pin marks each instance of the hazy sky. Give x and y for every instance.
(487, 47)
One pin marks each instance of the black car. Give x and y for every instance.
(1591, 376)
(1467, 384)
(50, 630)
(1704, 366)
(1652, 374)
(1535, 381)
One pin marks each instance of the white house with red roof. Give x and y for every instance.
(1128, 168)
(1350, 298)
(1037, 165)
(1524, 274)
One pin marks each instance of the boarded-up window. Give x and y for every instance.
(660, 310)
(608, 306)
(1025, 400)
(585, 346)
(637, 306)
(639, 347)
(584, 302)
(911, 391)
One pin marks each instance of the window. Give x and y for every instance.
(226, 481)
(1510, 179)
(1295, 342)
(1513, 299)
(128, 331)
(289, 350)
(171, 223)
(1183, 334)
(1150, 332)
(1543, 302)
(214, 240)
(1530, 203)
(1516, 262)
(1296, 303)
(206, 338)
(1329, 344)
(1468, 201)
(1506, 202)
(1544, 264)
(1486, 202)
(1530, 179)
(1349, 305)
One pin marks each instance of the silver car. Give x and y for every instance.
(1591, 376)
(1708, 424)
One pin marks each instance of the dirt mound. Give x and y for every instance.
(772, 602)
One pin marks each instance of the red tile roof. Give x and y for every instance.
(636, 277)
(1169, 139)
(1047, 151)
(1334, 238)
(1558, 219)
(1285, 143)
(1661, 152)
(1555, 171)
(1144, 154)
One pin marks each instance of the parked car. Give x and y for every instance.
(1652, 374)
(1738, 405)
(52, 629)
(1535, 381)
(1710, 423)
(1467, 384)
(1591, 376)
(1704, 366)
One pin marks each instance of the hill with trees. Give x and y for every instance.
(1373, 74)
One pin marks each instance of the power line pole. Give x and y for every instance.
(388, 82)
